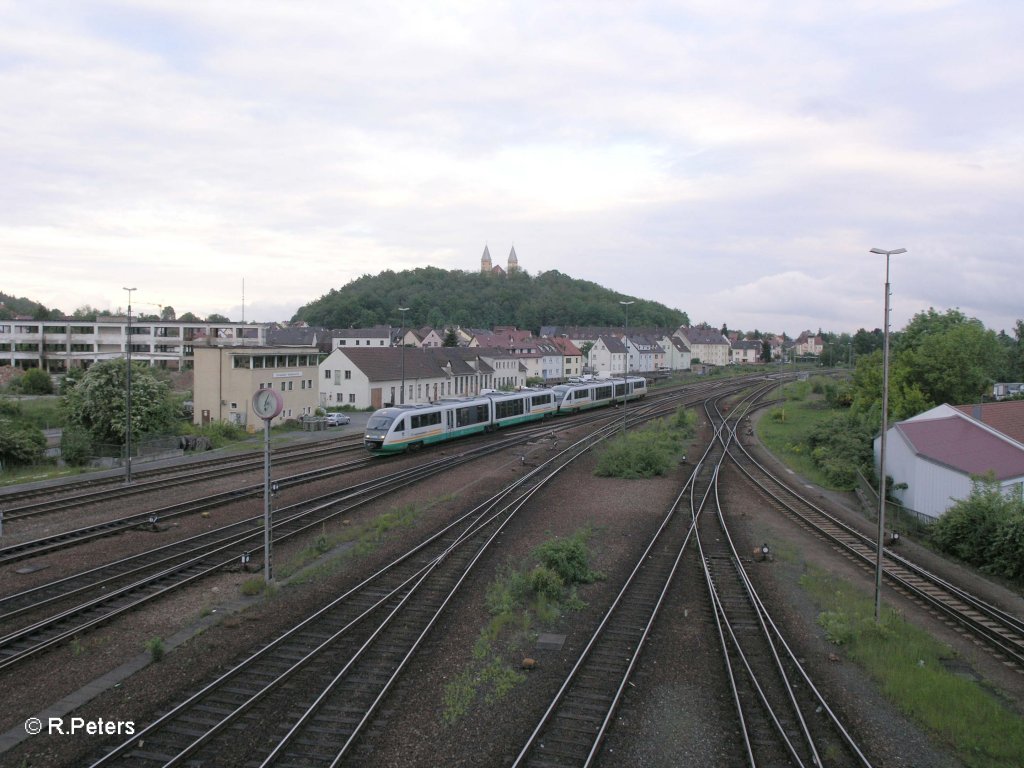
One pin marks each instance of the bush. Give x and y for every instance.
(568, 558)
(986, 529)
(645, 453)
(20, 443)
(546, 583)
(839, 447)
(35, 381)
(75, 447)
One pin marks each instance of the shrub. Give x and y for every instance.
(75, 447)
(568, 558)
(986, 529)
(546, 583)
(20, 443)
(155, 646)
(35, 381)
(652, 451)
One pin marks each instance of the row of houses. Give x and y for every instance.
(58, 345)
(369, 368)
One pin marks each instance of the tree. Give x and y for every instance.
(188, 317)
(953, 364)
(167, 313)
(450, 339)
(96, 404)
(35, 381)
(215, 318)
(20, 443)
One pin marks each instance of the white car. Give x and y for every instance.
(338, 419)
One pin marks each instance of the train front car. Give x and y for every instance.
(410, 427)
(378, 429)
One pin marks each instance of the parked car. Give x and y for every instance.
(338, 419)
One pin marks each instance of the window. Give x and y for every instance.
(473, 414)
(327, 374)
(503, 410)
(234, 406)
(352, 398)
(348, 375)
(421, 420)
(339, 397)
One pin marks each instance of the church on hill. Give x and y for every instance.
(487, 268)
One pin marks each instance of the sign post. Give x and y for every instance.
(267, 404)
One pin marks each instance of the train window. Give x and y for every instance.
(426, 419)
(503, 410)
(473, 414)
(540, 400)
(603, 393)
(619, 389)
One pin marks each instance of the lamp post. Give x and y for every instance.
(885, 428)
(128, 396)
(401, 340)
(625, 366)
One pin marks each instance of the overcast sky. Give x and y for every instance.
(734, 159)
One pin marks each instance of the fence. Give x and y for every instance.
(897, 516)
(143, 450)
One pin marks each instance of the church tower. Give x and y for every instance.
(513, 261)
(485, 262)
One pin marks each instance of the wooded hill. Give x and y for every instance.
(438, 297)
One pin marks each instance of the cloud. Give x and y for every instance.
(733, 160)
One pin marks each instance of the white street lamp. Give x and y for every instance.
(401, 340)
(625, 366)
(128, 395)
(885, 428)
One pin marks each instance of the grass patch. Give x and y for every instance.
(786, 431)
(367, 538)
(909, 666)
(649, 452)
(541, 591)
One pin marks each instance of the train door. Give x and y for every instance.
(449, 421)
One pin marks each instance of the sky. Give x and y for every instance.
(733, 159)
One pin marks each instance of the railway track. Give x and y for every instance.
(572, 729)
(117, 588)
(307, 696)
(1000, 632)
(74, 496)
(783, 718)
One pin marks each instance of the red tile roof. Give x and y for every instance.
(1006, 417)
(964, 445)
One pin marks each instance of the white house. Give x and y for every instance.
(938, 452)
(608, 355)
(706, 344)
(379, 336)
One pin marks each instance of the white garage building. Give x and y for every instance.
(938, 452)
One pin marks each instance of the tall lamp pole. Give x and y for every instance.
(401, 340)
(885, 428)
(128, 395)
(625, 366)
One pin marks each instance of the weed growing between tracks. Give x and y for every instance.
(910, 666)
(648, 452)
(518, 600)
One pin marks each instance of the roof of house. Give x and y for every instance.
(565, 346)
(1006, 417)
(705, 336)
(613, 344)
(386, 363)
(964, 445)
